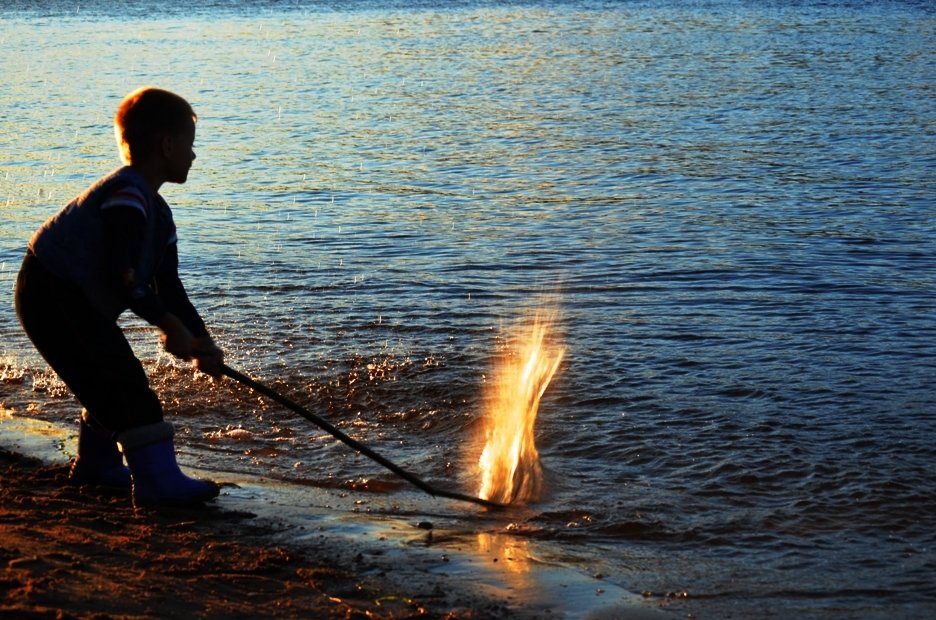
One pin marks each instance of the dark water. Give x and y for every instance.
(732, 201)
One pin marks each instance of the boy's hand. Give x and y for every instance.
(178, 341)
(208, 357)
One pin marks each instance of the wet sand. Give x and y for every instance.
(70, 552)
(81, 552)
(269, 549)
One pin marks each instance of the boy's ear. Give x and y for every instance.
(166, 145)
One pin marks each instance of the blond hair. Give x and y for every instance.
(144, 116)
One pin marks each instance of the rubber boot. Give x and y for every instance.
(99, 462)
(157, 479)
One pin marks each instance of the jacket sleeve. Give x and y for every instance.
(172, 293)
(123, 240)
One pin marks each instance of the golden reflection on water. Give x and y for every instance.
(511, 556)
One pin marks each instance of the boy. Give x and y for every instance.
(110, 249)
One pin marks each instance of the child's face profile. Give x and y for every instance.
(179, 152)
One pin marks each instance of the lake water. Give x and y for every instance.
(730, 203)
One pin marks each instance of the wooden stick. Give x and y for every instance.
(329, 428)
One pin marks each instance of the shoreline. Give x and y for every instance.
(75, 552)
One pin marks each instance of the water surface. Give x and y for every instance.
(733, 203)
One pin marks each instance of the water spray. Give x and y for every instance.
(356, 445)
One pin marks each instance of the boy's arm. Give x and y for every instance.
(123, 239)
(208, 357)
(167, 305)
(123, 236)
(173, 296)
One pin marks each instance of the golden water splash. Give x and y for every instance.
(510, 465)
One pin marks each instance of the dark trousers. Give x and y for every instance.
(85, 348)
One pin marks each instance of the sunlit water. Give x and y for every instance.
(733, 200)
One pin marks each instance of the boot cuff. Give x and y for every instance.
(145, 435)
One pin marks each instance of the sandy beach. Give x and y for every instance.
(70, 552)
(273, 549)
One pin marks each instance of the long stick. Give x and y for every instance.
(326, 426)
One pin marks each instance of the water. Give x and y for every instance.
(734, 202)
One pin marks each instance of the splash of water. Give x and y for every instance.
(510, 465)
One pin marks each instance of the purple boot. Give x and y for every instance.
(157, 479)
(99, 462)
